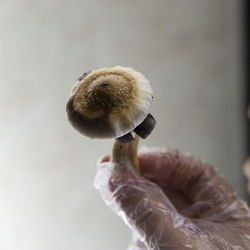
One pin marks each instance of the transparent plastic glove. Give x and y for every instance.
(178, 202)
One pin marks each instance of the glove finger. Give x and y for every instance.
(148, 211)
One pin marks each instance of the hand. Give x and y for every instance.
(178, 202)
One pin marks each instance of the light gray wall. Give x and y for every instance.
(190, 50)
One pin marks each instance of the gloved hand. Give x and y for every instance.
(178, 202)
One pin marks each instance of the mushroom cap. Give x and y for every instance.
(109, 102)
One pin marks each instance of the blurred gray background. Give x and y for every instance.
(191, 52)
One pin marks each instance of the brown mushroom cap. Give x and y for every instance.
(109, 102)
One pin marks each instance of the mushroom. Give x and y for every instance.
(112, 103)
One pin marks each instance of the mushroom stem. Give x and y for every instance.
(125, 154)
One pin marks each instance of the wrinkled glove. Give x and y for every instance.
(177, 202)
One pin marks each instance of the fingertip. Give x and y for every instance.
(106, 158)
(102, 159)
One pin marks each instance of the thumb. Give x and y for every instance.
(144, 207)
